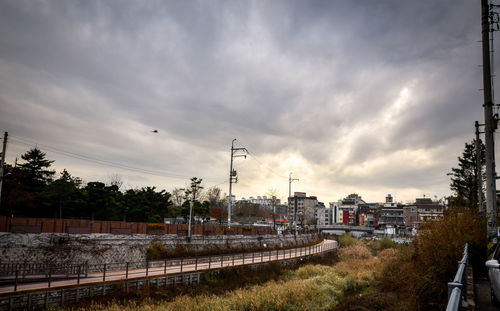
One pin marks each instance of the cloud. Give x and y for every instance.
(363, 96)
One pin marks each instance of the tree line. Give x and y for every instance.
(31, 189)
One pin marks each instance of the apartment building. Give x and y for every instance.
(424, 209)
(302, 209)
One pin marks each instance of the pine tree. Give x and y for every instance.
(464, 181)
(36, 169)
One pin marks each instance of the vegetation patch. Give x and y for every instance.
(347, 239)
(158, 251)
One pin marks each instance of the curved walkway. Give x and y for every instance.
(184, 265)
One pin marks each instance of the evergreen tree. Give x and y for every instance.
(17, 199)
(464, 181)
(36, 169)
(61, 195)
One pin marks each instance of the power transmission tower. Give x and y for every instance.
(4, 149)
(490, 122)
(233, 178)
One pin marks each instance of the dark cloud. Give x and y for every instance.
(316, 79)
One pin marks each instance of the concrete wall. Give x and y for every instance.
(60, 248)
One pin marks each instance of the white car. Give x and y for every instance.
(493, 266)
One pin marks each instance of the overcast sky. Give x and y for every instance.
(372, 97)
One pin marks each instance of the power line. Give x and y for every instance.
(260, 163)
(82, 157)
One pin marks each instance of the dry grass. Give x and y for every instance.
(356, 251)
(358, 263)
(387, 254)
(312, 287)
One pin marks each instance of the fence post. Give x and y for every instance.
(147, 268)
(104, 273)
(451, 286)
(233, 259)
(86, 268)
(181, 264)
(196, 263)
(126, 271)
(15, 284)
(78, 277)
(261, 256)
(165, 267)
(209, 261)
(50, 276)
(243, 258)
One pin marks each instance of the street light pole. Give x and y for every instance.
(190, 216)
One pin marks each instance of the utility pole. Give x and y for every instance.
(4, 149)
(290, 180)
(479, 170)
(274, 213)
(490, 123)
(233, 178)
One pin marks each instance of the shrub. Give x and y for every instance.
(421, 271)
(385, 243)
(356, 251)
(155, 219)
(387, 254)
(347, 239)
(156, 251)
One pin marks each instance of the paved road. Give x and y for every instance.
(140, 273)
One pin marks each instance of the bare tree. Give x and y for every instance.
(115, 180)
(273, 194)
(178, 196)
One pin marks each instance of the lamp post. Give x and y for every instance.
(190, 216)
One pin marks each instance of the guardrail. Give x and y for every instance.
(18, 273)
(112, 271)
(457, 290)
(155, 274)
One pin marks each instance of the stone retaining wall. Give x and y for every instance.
(59, 248)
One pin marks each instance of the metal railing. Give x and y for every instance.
(45, 299)
(457, 290)
(93, 273)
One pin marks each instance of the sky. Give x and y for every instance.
(368, 97)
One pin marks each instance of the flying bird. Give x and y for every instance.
(154, 131)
